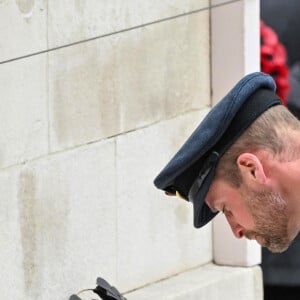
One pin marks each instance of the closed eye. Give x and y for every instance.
(226, 212)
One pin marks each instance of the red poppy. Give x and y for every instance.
(273, 60)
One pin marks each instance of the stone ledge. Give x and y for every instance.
(209, 282)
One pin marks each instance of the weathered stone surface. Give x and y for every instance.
(156, 236)
(11, 252)
(23, 110)
(60, 219)
(123, 82)
(72, 21)
(76, 202)
(93, 211)
(209, 282)
(23, 27)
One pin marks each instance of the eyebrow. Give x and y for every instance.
(213, 209)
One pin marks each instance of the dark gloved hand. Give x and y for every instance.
(74, 297)
(104, 290)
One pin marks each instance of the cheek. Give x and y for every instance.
(243, 216)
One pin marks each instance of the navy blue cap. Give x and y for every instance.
(191, 171)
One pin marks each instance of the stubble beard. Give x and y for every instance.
(269, 211)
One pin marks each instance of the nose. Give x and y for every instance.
(236, 228)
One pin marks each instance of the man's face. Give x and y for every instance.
(255, 215)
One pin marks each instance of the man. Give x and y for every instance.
(243, 160)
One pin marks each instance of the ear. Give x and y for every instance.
(251, 168)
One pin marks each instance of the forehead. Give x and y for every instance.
(220, 193)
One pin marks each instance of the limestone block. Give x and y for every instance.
(156, 237)
(83, 107)
(72, 21)
(127, 81)
(164, 71)
(220, 2)
(23, 27)
(208, 282)
(23, 110)
(224, 19)
(67, 222)
(11, 257)
(238, 22)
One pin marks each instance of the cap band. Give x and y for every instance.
(212, 160)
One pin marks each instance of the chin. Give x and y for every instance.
(279, 247)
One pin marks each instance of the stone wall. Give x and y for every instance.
(96, 96)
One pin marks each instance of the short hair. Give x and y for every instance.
(271, 131)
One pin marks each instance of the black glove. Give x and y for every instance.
(106, 291)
